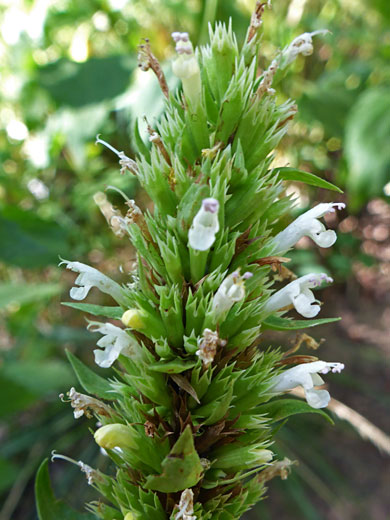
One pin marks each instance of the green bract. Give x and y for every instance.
(186, 424)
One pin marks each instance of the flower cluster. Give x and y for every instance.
(184, 412)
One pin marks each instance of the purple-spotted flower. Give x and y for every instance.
(298, 293)
(308, 224)
(307, 376)
(205, 226)
(231, 290)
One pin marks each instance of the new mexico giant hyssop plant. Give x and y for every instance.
(190, 414)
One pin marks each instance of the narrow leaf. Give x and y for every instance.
(172, 367)
(282, 408)
(48, 506)
(277, 323)
(91, 382)
(112, 312)
(292, 174)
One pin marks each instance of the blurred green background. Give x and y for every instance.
(68, 72)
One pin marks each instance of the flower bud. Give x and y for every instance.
(186, 67)
(133, 319)
(113, 436)
(129, 516)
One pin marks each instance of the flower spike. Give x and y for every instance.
(298, 293)
(306, 376)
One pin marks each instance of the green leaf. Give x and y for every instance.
(367, 147)
(54, 375)
(48, 506)
(91, 382)
(23, 231)
(22, 293)
(292, 174)
(276, 323)
(181, 469)
(79, 84)
(8, 474)
(172, 367)
(282, 408)
(112, 312)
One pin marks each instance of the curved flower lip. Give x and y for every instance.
(308, 224)
(298, 294)
(306, 376)
(90, 277)
(205, 226)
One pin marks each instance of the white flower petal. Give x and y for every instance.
(89, 277)
(303, 305)
(114, 342)
(307, 225)
(317, 398)
(205, 226)
(306, 376)
(298, 293)
(231, 290)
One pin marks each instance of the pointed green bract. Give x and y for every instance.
(181, 469)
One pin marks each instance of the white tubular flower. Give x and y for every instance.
(308, 224)
(125, 162)
(186, 67)
(231, 290)
(90, 277)
(302, 44)
(186, 506)
(115, 341)
(205, 226)
(298, 293)
(306, 376)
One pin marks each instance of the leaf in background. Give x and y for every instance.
(39, 377)
(367, 146)
(292, 174)
(112, 312)
(18, 397)
(74, 128)
(282, 408)
(29, 241)
(276, 323)
(8, 474)
(21, 293)
(91, 382)
(80, 84)
(48, 506)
